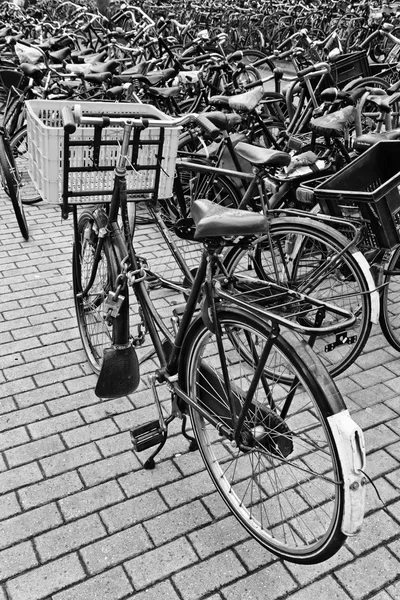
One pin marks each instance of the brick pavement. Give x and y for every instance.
(80, 519)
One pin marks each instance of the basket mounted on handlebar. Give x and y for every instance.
(79, 168)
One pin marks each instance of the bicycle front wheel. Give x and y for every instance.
(10, 181)
(95, 333)
(283, 480)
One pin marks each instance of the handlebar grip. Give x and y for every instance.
(209, 127)
(311, 68)
(68, 120)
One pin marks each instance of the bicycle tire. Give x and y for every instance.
(300, 247)
(272, 134)
(10, 181)
(255, 39)
(19, 148)
(354, 39)
(390, 301)
(14, 117)
(259, 485)
(95, 333)
(371, 81)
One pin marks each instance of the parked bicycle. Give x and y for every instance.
(258, 400)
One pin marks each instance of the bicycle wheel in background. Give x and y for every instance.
(90, 311)
(390, 301)
(11, 184)
(19, 148)
(282, 480)
(298, 254)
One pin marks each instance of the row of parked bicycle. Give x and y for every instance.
(312, 157)
(331, 111)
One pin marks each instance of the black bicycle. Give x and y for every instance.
(270, 423)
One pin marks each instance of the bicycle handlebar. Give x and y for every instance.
(73, 117)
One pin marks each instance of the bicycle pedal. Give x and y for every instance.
(147, 435)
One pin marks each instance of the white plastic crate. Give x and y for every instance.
(46, 152)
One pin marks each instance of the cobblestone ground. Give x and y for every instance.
(81, 520)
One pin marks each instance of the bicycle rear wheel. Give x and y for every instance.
(10, 181)
(390, 301)
(283, 479)
(298, 254)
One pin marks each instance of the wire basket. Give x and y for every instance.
(367, 191)
(92, 153)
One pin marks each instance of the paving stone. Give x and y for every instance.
(15, 478)
(16, 437)
(112, 585)
(161, 563)
(31, 451)
(23, 526)
(217, 537)
(47, 579)
(162, 590)
(67, 538)
(17, 559)
(272, 582)
(194, 488)
(115, 549)
(134, 510)
(327, 588)
(23, 417)
(39, 395)
(9, 505)
(108, 468)
(370, 573)
(88, 433)
(51, 489)
(106, 409)
(115, 444)
(378, 528)
(143, 481)
(59, 424)
(70, 459)
(65, 402)
(90, 500)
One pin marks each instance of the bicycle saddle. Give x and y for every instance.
(248, 100)
(95, 58)
(245, 102)
(155, 77)
(34, 71)
(224, 121)
(165, 92)
(263, 156)
(111, 66)
(334, 124)
(98, 78)
(59, 55)
(214, 220)
(366, 140)
(384, 102)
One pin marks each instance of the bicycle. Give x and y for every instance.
(270, 424)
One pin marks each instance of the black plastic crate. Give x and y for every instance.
(368, 190)
(350, 66)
